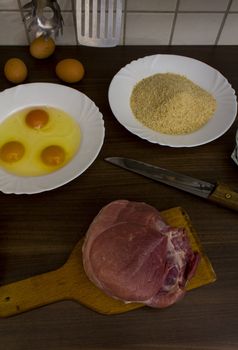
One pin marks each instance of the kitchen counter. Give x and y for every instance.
(38, 232)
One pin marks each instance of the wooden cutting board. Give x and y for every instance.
(70, 282)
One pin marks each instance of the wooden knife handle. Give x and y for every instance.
(224, 196)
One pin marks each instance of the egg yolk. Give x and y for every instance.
(12, 151)
(53, 155)
(37, 118)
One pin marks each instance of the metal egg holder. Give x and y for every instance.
(44, 18)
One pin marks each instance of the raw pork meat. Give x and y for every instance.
(133, 255)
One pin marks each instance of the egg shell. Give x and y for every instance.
(70, 70)
(15, 70)
(42, 47)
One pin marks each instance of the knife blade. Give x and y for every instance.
(218, 193)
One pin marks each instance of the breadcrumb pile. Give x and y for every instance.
(171, 104)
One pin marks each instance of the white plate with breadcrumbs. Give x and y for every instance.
(78, 106)
(200, 73)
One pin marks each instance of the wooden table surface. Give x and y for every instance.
(38, 232)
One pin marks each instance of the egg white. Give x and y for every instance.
(61, 130)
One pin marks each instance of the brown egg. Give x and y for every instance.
(42, 47)
(15, 70)
(70, 70)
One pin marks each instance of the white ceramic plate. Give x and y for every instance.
(200, 73)
(73, 102)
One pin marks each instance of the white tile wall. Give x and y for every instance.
(148, 28)
(229, 35)
(203, 5)
(151, 5)
(146, 22)
(9, 5)
(14, 31)
(196, 28)
(65, 4)
(234, 5)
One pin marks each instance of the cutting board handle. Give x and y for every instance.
(33, 292)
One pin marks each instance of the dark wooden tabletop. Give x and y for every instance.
(38, 232)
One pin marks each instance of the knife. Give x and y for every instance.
(218, 193)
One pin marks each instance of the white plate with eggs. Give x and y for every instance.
(38, 154)
(198, 72)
